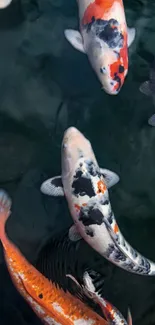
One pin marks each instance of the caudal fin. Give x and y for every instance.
(5, 206)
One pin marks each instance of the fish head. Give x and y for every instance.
(74, 147)
(110, 66)
(106, 44)
(79, 166)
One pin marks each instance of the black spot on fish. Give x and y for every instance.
(106, 30)
(92, 169)
(92, 217)
(102, 201)
(57, 182)
(119, 256)
(110, 217)
(145, 263)
(82, 185)
(121, 69)
(89, 232)
(110, 250)
(40, 296)
(106, 202)
(103, 70)
(79, 173)
(118, 80)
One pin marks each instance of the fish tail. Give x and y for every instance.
(5, 206)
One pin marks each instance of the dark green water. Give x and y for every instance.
(45, 87)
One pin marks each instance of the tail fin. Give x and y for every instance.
(5, 206)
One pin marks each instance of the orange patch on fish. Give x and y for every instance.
(116, 228)
(101, 187)
(77, 207)
(121, 61)
(97, 9)
(84, 204)
(108, 310)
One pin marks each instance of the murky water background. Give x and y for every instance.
(46, 86)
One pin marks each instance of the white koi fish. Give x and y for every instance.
(105, 38)
(85, 187)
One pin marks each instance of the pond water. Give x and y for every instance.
(45, 87)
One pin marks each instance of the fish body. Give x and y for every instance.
(148, 88)
(51, 304)
(105, 38)
(85, 186)
(4, 3)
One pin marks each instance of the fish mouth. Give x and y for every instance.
(109, 92)
(71, 131)
(70, 134)
(113, 87)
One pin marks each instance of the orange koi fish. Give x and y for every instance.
(105, 39)
(51, 304)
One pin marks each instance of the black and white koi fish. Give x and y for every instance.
(85, 187)
(105, 38)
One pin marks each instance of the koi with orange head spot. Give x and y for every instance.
(105, 38)
(85, 186)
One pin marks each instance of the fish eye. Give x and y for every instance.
(103, 70)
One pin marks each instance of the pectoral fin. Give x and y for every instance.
(129, 319)
(110, 177)
(131, 35)
(75, 39)
(53, 186)
(74, 235)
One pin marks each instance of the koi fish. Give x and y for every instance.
(50, 303)
(4, 3)
(105, 38)
(112, 314)
(148, 88)
(85, 187)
